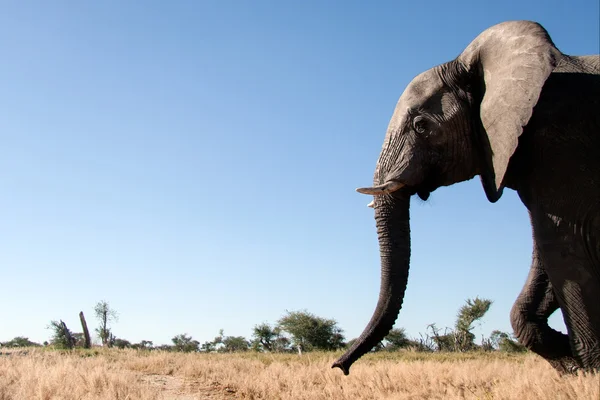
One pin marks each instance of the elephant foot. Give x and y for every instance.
(565, 365)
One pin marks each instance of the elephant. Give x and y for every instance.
(517, 112)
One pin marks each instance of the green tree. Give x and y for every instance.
(505, 342)
(310, 332)
(121, 343)
(282, 344)
(235, 343)
(143, 345)
(268, 338)
(105, 315)
(264, 335)
(208, 347)
(228, 344)
(185, 343)
(62, 337)
(445, 342)
(472, 311)
(460, 338)
(396, 339)
(20, 341)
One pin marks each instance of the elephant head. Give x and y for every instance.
(453, 122)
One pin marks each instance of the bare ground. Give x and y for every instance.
(177, 388)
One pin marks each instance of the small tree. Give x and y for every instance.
(235, 343)
(121, 343)
(143, 345)
(468, 314)
(445, 342)
(264, 335)
(185, 343)
(271, 339)
(105, 315)
(424, 343)
(396, 339)
(460, 338)
(208, 347)
(20, 341)
(505, 342)
(61, 335)
(310, 332)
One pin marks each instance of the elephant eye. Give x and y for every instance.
(420, 124)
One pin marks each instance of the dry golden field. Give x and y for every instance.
(130, 375)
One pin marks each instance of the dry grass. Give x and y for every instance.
(46, 375)
(114, 374)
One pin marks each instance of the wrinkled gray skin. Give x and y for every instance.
(522, 115)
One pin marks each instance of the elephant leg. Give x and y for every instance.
(529, 319)
(577, 293)
(569, 253)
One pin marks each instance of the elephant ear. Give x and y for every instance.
(511, 61)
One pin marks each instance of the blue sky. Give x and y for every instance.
(194, 164)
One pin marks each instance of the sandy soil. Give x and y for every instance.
(177, 388)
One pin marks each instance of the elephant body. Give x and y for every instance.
(556, 172)
(516, 111)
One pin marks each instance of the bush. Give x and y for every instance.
(310, 332)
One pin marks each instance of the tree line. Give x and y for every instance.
(295, 331)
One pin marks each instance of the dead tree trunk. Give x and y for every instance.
(67, 334)
(86, 333)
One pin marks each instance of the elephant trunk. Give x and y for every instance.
(393, 229)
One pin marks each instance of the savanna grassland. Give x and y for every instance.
(132, 374)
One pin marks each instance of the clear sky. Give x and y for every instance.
(194, 164)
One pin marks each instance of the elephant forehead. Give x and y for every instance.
(423, 93)
(422, 88)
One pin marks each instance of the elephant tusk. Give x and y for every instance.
(371, 204)
(386, 188)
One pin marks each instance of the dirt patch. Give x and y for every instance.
(176, 388)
